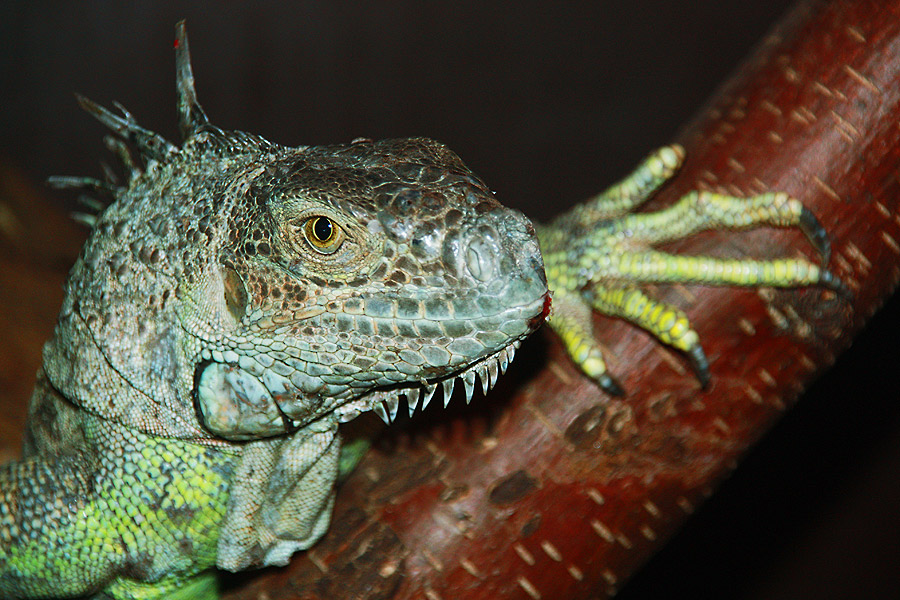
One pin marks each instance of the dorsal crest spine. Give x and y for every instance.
(191, 117)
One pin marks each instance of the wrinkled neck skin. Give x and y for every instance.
(263, 288)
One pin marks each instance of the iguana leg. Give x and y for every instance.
(595, 255)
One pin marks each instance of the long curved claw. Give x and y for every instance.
(815, 233)
(829, 280)
(699, 363)
(610, 385)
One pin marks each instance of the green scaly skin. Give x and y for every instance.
(216, 330)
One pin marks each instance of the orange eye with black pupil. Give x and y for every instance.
(323, 234)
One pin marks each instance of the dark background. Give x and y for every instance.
(548, 102)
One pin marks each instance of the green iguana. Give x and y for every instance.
(239, 299)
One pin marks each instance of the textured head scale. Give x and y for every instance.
(244, 289)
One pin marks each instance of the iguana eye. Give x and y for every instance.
(323, 234)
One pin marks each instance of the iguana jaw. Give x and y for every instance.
(238, 399)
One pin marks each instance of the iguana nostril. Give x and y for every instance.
(481, 258)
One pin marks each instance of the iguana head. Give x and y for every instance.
(244, 289)
(347, 275)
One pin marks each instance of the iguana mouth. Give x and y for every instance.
(386, 403)
(239, 405)
(241, 396)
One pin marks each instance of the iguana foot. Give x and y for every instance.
(597, 255)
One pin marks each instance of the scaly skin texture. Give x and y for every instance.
(239, 299)
(234, 303)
